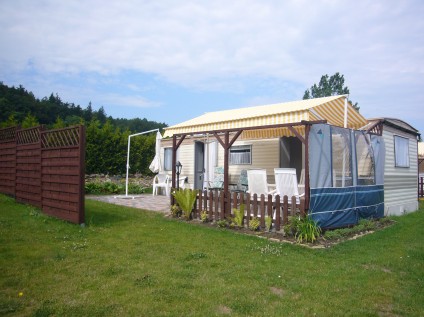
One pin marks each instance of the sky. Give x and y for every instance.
(170, 61)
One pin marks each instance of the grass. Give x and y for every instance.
(128, 262)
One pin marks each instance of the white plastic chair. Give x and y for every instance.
(161, 181)
(286, 183)
(258, 183)
(218, 180)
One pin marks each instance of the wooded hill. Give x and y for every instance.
(107, 137)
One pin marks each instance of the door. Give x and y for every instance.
(199, 166)
(291, 154)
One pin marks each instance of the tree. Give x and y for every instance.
(329, 86)
(30, 121)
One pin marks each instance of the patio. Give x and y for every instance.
(144, 201)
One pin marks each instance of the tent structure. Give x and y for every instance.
(128, 160)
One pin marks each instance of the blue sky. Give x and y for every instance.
(170, 61)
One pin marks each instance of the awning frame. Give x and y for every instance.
(178, 138)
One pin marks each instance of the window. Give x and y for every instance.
(241, 155)
(364, 159)
(401, 151)
(167, 159)
(341, 155)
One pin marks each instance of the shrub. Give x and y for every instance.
(204, 216)
(290, 229)
(237, 220)
(254, 224)
(222, 223)
(268, 223)
(175, 211)
(307, 230)
(185, 199)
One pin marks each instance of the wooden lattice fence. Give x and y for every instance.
(8, 160)
(28, 166)
(45, 169)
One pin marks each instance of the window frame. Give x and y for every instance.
(165, 160)
(249, 146)
(408, 157)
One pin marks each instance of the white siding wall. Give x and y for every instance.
(265, 154)
(400, 183)
(185, 155)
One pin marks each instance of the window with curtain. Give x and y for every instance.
(401, 151)
(167, 159)
(241, 155)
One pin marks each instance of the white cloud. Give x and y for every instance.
(216, 45)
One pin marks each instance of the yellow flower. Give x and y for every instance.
(21, 294)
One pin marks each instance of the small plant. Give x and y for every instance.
(290, 229)
(185, 199)
(222, 223)
(365, 224)
(204, 216)
(175, 211)
(237, 220)
(268, 223)
(254, 224)
(307, 230)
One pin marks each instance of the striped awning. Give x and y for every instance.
(326, 108)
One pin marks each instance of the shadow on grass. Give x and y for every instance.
(103, 214)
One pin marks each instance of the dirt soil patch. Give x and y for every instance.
(321, 242)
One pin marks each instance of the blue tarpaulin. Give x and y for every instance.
(339, 207)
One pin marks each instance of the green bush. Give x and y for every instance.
(268, 223)
(237, 220)
(307, 230)
(222, 223)
(204, 216)
(254, 224)
(110, 188)
(175, 211)
(185, 199)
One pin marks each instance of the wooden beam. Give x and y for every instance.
(297, 134)
(226, 152)
(179, 142)
(235, 137)
(174, 162)
(219, 139)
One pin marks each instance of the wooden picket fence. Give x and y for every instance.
(220, 206)
(420, 187)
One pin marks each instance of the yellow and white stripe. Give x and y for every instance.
(327, 108)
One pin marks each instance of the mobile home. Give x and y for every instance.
(343, 165)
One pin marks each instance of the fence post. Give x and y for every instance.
(248, 208)
(285, 210)
(277, 213)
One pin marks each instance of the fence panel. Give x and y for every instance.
(28, 166)
(421, 187)
(62, 173)
(278, 208)
(8, 160)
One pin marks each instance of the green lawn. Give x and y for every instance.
(128, 262)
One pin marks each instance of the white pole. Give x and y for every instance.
(344, 148)
(128, 156)
(128, 166)
(345, 113)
